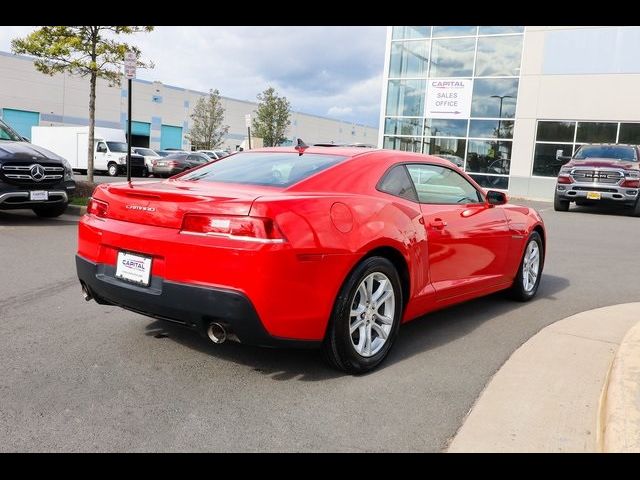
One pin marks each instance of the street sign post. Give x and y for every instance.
(247, 122)
(130, 60)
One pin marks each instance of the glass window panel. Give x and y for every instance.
(403, 126)
(406, 144)
(491, 129)
(491, 182)
(596, 132)
(405, 98)
(629, 133)
(397, 182)
(545, 161)
(409, 59)
(555, 131)
(489, 157)
(445, 128)
(453, 147)
(451, 31)
(486, 30)
(410, 32)
(499, 56)
(452, 57)
(440, 185)
(494, 96)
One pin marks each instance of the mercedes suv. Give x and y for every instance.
(600, 173)
(32, 177)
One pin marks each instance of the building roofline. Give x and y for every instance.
(198, 92)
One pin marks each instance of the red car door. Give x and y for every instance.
(468, 239)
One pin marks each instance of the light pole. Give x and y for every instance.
(501, 97)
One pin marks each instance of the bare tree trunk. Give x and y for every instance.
(92, 124)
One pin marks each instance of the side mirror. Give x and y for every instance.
(563, 158)
(496, 198)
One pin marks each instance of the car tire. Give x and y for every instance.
(524, 289)
(361, 350)
(112, 169)
(635, 212)
(50, 211)
(560, 204)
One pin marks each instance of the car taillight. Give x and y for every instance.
(154, 162)
(242, 228)
(97, 208)
(172, 164)
(564, 179)
(631, 184)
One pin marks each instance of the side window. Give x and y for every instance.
(440, 185)
(102, 147)
(397, 182)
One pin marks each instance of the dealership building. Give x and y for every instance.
(160, 113)
(510, 100)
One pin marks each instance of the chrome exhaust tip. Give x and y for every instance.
(216, 333)
(86, 294)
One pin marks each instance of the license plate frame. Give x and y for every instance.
(134, 268)
(38, 195)
(594, 196)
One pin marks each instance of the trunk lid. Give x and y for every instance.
(164, 203)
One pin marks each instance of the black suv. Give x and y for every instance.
(32, 177)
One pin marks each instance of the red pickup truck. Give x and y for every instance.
(599, 173)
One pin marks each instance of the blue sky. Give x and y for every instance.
(330, 71)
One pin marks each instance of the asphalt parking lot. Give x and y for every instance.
(77, 376)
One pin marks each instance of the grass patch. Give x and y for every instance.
(82, 201)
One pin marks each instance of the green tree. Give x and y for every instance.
(95, 52)
(208, 131)
(272, 118)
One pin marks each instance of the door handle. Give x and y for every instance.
(437, 223)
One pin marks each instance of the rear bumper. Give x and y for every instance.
(189, 305)
(612, 193)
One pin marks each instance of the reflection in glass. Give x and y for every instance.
(490, 182)
(451, 31)
(409, 59)
(405, 144)
(499, 56)
(485, 30)
(629, 133)
(403, 126)
(445, 146)
(445, 128)
(489, 157)
(594, 132)
(452, 57)
(555, 131)
(405, 98)
(545, 158)
(491, 129)
(494, 97)
(410, 32)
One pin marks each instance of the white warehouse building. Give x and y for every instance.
(508, 101)
(160, 113)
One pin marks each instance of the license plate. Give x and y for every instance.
(594, 195)
(133, 268)
(161, 164)
(38, 195)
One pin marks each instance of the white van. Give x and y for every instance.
(109, 153)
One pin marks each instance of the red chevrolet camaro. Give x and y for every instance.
(319, 246)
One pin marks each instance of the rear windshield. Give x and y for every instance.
(276, 169)
(618, 152)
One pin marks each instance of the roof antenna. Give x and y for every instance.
(301, 146)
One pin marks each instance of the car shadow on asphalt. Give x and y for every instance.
(29, 219)
(603, 209)
(419, 335)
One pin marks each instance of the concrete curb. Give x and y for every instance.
(76, 210)
(620, 408)
(547, 396)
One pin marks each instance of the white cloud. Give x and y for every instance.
(334, 71)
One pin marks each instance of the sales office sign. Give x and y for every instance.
(449, 98)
